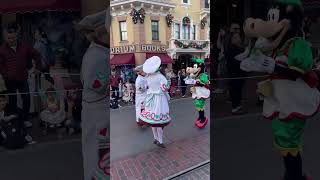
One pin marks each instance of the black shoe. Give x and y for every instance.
(155, 141)
(161, 145)
(239, 112)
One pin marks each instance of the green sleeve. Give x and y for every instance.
(204, 79)
(300, 56)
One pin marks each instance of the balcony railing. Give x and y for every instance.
(148, 1)
(189, 44)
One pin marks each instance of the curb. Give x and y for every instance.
(250, 115)
(188, 170)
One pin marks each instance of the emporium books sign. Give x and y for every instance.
(142, 48)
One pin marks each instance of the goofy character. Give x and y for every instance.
(290, 94)
(200, 90)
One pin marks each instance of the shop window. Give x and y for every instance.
(194, 32)
(155, 30)
(206, 4)
(185, 1)
(123, 31)
(186, 32)
(177, 31)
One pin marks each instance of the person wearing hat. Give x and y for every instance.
(156, 106)
(95, 117)
(141, 90)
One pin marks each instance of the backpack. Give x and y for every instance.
(13, 135)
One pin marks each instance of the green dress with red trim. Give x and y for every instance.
(201, 91)
(291, 101)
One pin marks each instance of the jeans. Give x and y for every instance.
(236, 87)
(22, 87)
(183, 89)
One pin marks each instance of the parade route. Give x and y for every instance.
(134, 156)
(243, 148)
(128, 139)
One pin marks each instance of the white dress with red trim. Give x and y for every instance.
(290, 99)
(201, 92)
(156, 105)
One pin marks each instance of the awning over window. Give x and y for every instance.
(165, 59)
(123, 59)
(24, 6)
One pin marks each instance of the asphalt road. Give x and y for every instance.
(243, 149)
(127, 139)
(48, 161)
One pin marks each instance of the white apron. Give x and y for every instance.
(156, 105)
(141, 88)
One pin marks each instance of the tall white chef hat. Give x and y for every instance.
(152, 65)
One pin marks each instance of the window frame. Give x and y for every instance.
(188, 32)
(123, 31)
(182, 2)
(178, 32)
(206, 4)
(194, 33)
(157, 31)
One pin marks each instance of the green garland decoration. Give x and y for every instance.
(193, 44)
(186, 21)
(169, 19)
(203, 22)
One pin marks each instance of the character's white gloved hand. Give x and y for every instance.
(190, 81)
(243, 55)
(258, 64)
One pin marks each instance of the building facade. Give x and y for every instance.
(175, 30)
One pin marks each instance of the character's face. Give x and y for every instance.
(255, 28)
(195, 70)
(3, 103)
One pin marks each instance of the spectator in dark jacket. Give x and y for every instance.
(234, 71)
(14, 60)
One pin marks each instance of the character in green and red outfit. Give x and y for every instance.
(290, 94)
(200, 90)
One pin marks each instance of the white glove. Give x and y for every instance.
(245, 54)
(258, 64)
(190, 81)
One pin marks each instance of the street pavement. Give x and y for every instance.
(243, 149)
(127, 139)
(47, 161)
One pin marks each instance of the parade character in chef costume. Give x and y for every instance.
(95, 117)
(200, 90)
(156, 105)
(290, 94)
(141, 92)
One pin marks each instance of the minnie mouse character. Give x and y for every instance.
(290, 93)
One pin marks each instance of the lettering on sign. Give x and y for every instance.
(139, 48)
